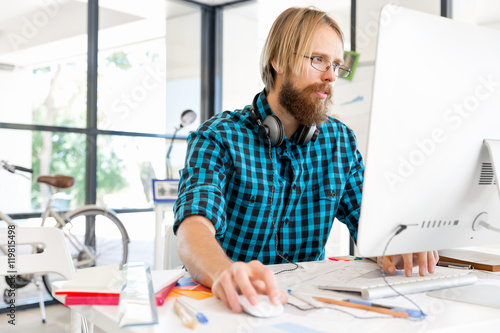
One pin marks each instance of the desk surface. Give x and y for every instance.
(443, 316)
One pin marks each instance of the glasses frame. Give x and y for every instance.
(336, 67)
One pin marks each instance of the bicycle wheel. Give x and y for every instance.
(106, 232)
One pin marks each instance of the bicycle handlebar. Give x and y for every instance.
(13, 168)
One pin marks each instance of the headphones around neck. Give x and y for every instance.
(271, 128)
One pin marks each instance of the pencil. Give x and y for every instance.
(363, 307)
(186, 319)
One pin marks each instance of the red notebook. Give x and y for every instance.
(79, 298)
(163, 281)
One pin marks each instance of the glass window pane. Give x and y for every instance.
(132, 85)
(144, 85)
(43, 50)
(15, 148)
(47, 153)
(132, 66)
(126, 167)
(59, 154)
(183, 62)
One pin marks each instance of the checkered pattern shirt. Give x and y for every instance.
(228, 178)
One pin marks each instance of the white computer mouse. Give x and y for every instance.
(263, 309)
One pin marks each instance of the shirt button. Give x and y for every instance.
(286, 220)
(333, 193)
(252, 199)
(285, 255)
(294, 186)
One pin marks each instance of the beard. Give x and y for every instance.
(306, 109)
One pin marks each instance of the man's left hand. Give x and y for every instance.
(426, 261)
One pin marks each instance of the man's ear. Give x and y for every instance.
(275, 67)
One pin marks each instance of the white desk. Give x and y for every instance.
(444, 316)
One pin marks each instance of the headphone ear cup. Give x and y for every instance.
(272, 129)
(306, 134)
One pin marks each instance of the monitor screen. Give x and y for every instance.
(436, 99)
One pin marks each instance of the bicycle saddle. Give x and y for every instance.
(57, 181)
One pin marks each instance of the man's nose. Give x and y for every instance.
(329, 75)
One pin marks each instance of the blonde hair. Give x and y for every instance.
(292, 32)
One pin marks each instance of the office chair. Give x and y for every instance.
(55, 258)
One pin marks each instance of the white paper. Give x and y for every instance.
(107, 278)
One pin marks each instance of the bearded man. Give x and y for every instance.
(262, 185)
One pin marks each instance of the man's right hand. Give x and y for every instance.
(208, 264)
(248, 279)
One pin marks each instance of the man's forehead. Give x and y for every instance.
(328, 44)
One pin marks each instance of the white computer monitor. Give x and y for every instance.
(436, 99)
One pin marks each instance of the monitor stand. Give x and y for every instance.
(480, 294)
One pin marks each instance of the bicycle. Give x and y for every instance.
(95, 235)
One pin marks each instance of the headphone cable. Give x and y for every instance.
(272, 217)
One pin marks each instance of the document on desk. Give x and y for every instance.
(478, 260)
(99, 280)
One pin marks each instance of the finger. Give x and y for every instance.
(422, 263)
(398, 261)
(219, 289)
(433, 258)
(218, 292)
(263, 273)
(260, 286)
(229, 289)
(242, 281)
(408, 263)
(387, 264)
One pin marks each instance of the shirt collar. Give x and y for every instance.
(262, 108)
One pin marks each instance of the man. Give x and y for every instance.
(263, 185)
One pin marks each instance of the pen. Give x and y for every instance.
(363, 307)
(453, 265)
(186, 319)
(411, 312)
(195, 313)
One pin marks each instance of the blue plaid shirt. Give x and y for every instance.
(228, 178)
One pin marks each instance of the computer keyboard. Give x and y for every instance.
(371, 284)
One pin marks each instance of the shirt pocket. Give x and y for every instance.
(322, 200)
(249, 198)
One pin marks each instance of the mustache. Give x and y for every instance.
(326, 87)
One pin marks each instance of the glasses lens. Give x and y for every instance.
(319, 63)
(316, 66)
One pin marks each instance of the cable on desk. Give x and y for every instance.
(401, 228)
(313, 307)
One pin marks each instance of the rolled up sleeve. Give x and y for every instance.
(202, 180)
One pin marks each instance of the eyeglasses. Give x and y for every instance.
(323, 65)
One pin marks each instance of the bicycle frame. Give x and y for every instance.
(85, 253)
(64, 222)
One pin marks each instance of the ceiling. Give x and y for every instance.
(218, 2)
(67, 19)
